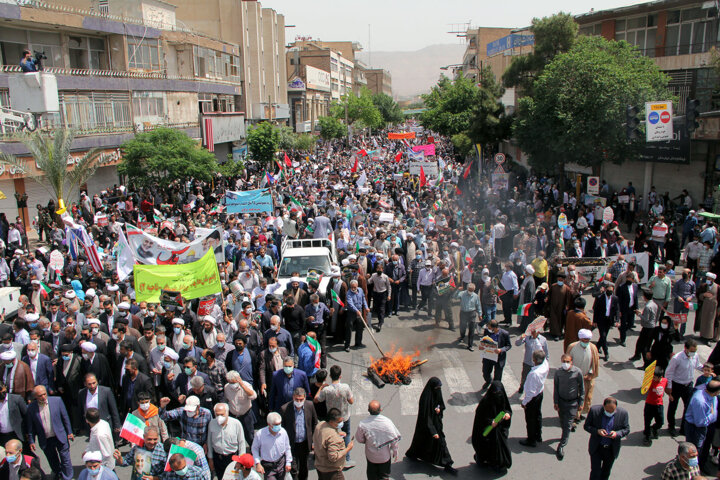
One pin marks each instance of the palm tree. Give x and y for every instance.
(51, 153)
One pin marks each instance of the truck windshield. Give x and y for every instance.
(302, 265)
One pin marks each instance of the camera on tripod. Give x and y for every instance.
(39, 57)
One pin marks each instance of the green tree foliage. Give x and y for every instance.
(462, 107)
(286, 137)
(164, 155)
(231, 168)
(462, 143)
(304, 142)
(553, 35)
(360, 109)
(389, 109)
(263, 141)
(578, 109)
(331, 128)
(50, 153)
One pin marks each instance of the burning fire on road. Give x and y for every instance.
(394, 367)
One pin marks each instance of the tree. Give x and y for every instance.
(51, 152)
(163, 155)
(553, 35)
(304, 142)
(358, 109)
(286, 138)
(263, 141)
(388, 108)
(449, 106)
(462, 143)
(578, 109)
(232, 167)
(331, 128)
(489, 123)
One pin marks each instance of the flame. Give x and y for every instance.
(395, 366)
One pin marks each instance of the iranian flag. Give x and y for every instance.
(132, 430)
(438, 205)
(190, 456)
(315, 347)
(336, 298)
(296, 201)
(288, 163)
(468, 258)
(524, 310)
(45, 287)
(431, 219)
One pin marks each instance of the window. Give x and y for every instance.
(143, 54)
(638, 31)
(87, 53)
(95, 110)
(692, 30)
(212, 64)
(706, 89)
(14, 41)
(148, 105)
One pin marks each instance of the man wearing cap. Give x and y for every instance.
(17, 374)
(152, 447)
(97, 364)
(194, 419)
(241, 468)
(226, 439)
(585, 356)
(271, 449)
(48, 420)
(94, 468)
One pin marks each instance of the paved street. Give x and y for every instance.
(460, 372)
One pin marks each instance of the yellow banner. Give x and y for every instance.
(192, 280)
(647, 378)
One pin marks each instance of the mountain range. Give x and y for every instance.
(415, 72)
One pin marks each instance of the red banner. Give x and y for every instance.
(205, 307)
(400, 135)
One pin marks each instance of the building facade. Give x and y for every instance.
(324, 58)
(309, 94)
(117, 75)
(379, 81)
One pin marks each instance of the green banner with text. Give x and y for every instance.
(192, 280)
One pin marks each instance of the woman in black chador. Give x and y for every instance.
(428, 443)
(492, 450)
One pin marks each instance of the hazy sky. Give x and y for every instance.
(414, 24)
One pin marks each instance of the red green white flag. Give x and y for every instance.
(336, 298)
(190, 455)
(133, 429)
(524, 310)
(315, 346)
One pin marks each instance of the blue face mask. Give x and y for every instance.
(182, 472)
(203, 360)
(560, 282)
(692, 462)
(33, 324)
(94, 471)
(276, 428)
(608, 414)
(340, 425)
(66, 357)
(11, 458)
(167, 365)
(188, 371)
(288, 370)
(177, 330)
(161, 347)
(221, 344)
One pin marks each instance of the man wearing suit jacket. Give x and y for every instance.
(502, 340)
(134, 382)
(45, 347)
(607, 424)
(299, 416)
(86, 333)
(115, 355)
(22, 462)
(267, 363)
(40, 367)
(605, 316)
(190, 370)
(16, 410)
(627, 295)
(68, 382)
(54, 313)
(17, 375)
(126, 354)
(278, 388)
(49, 421)
(97, 364)
(100, 397)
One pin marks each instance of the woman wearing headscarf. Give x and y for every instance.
(662, 343)
(428, 443)
(492, 450)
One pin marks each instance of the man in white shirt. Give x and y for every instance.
(226, 438)
(680, 375)
(101, 439)
(532, 402)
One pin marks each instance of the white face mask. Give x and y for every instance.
(566, 365)
(144, 406)
(274, 327)
(32, 354)
(298, 404)
(221, 419)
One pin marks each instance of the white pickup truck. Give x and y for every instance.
(306, 255)
(9, 301)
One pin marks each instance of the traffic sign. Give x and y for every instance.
(593, 185)
(499, 158)
(659, 127)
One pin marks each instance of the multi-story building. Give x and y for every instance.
(309, 92)
(324, 58)
(119, 72)
(379, 80)
(260, 33)
(678, 35)
(348, 50)
(476, 52)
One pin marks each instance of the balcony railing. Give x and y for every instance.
(86, 130)
(83, 72)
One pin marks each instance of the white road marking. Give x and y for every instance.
(410, 394)
(463, 397)
(361, 387)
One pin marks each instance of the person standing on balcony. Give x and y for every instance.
(27, 62)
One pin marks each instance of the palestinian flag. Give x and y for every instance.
(689, 305)
(279, 165)
(524, 310)
(315, 347)
(452, 282)
(438, 205)
(133, 429)
(190, 455)
(288, 163)
(335, 298)
(362, 153)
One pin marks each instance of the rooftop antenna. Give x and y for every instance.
(460, 30)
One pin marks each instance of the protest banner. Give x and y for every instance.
(150, 250)
(677, 318)
(647, 377)
(101, 220)
(430, 168)
(428, 149)
(562, 221)
(57, 261)
(487, 347)
(192, 280)
(205, 307)
(537, 324)
(401, 135)
(386, 217)
(593, 200)
(250, 201)
(589, 269)
(500, 181)
(642, 267)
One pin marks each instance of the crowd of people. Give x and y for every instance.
(82, 353)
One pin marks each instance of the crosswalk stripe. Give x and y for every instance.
(463, 397)
(361, 387)
(510, 381)
(410, 394)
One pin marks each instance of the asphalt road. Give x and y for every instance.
(461, 375)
